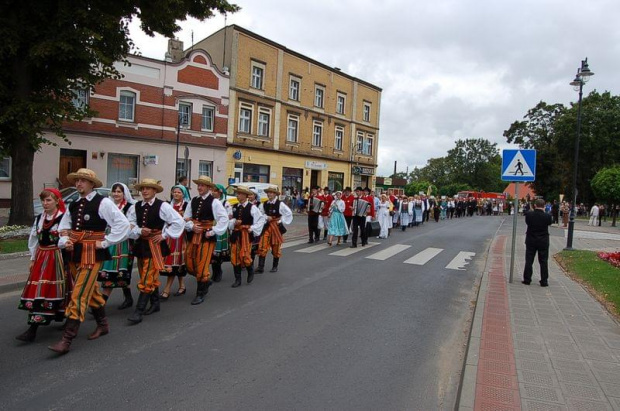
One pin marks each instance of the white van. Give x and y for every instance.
(259, 187)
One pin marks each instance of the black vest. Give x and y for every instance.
(45, 236)
(202, 210)
(272, 210)
(148, 217)
(85, 215)
(243, 214)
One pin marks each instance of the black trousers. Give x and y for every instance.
(348, 219)
(359, 227)
(313, 227)
(533, 247)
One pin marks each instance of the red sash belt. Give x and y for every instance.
(196, 238)
(276, 235)
(156, 255)
(88, 239)
(246, 244)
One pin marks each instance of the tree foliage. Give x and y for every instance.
(477, 163)
(51, 48)
(606, 184)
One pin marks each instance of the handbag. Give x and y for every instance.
(373, 229)
(281, 228)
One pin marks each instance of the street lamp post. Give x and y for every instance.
(582, 77)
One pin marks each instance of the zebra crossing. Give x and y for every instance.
(458, 263)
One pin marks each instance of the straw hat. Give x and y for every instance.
(272, 189)
(149, 182)
(86, 174)
(206, 180)
(244, 190)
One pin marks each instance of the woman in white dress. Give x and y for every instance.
(383, 216)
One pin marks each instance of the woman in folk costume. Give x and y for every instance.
(46, 293)
(116, 272)
(418, 209)
(222, 244)
(254, 198)
(276, 215)
(337, 223)
(443, 208)
(175, 262)
(383, 216)
(403, 210)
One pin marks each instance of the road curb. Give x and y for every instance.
(11, 256)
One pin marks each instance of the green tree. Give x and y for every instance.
(51, 48)
(452, 189)
(475, 162)
(537, 132)
(416, 187)
(437, 171)
(606, 187)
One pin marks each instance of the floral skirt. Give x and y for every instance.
(48, 290)
(222, 248)
(175, 262)
(116, 272)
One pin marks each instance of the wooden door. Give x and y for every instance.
(70, 161)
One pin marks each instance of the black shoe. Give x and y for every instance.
(136, 317)
(261, 265)
(154, 308)
(250, 274)
(544, 284)
(237, 271)
(311, 242)
(274, 268)
(200, 294)
(525, 282)
(353, 246)
(128, 299)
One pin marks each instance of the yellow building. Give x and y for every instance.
(293, 121)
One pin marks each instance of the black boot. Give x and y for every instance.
(200, 293)
(250, 273)
(217, 272)
(102, 324)
(261, 265)
(237, 271)
(274, 269)
(29, 335)
(155, 307)
(325, 234)
(128, 299)
(136, 317)
(68, 334)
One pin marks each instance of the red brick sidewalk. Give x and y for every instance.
(497, 387)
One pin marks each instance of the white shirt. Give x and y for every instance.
(174, 223)
(594, 211)
(33, 240)
(285, 212)
(339, 204)
(219, 213)
(119, 226)
(259, 219)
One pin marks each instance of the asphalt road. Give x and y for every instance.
(325, 332)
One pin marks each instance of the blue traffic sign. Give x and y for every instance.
(518, 165)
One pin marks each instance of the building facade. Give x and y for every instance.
(293, 121)
(158, 109)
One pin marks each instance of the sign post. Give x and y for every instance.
(517, 166)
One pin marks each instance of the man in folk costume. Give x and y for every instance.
(83, 234)
(314, 233)
(205, 218)
(359, 221)
(276, 213)
(152, 221)
(327, 203)
(348, 199)
(247, 221)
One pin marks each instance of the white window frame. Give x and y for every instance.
(8, 169)
(368, 144)
(264, 127)
(341, 107)
(81, 97)
(293, 92)
(292, 133)
(185, 114)
(338, 138)
(317, 134)
(125, 105)
(201, 171)
(206, 109)
(360, 142)
(257, 74)
(319, 96)
(243, 119)
(367, 109)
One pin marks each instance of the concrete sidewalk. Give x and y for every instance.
(535, 348)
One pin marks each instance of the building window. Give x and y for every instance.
(368, 145)
(126, 106)
(319, 94)
(335, 181)
(339, 137)
(245, 118)
(292, 130)
(317, 134)
(80, 98)
(360, 142)
(255, 173)
(185, 115)
(5, 168)
(366, 111)
(293, 89)
(208, 115)
(258, 72)
(205, 168)
(340, 103)
(123, 168)
(264, 116)
(184, 169)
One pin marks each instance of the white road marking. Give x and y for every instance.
(348, 251)
(424, 257)
(460, 261)
(288, 244)
(389, 252)
(313, 248)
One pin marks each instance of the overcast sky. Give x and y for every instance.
(449, 69)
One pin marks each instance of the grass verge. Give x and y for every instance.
(13, 245)
(598, 276)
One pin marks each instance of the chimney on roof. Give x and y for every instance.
(175, 50)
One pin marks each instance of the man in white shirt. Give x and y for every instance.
(83, 235)
(276, 214)
(594, 211)
(152, 222)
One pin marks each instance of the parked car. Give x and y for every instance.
(69, 195)
(260, 187)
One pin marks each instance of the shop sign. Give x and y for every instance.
(150, 160)
(387, 181)
(316, 165)
(368, 171)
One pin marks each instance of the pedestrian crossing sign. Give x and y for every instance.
(519, 165)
